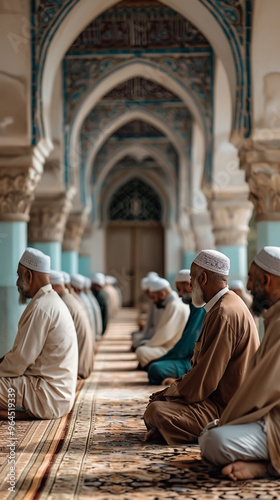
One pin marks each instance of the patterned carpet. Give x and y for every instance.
(98, 452)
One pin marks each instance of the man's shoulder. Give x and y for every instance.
(230, 306)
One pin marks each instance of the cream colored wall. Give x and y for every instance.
(15, 75)
(265, 60)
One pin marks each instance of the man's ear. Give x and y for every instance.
(29, 276)
(203, 278)
(188, 287)
(266, 281)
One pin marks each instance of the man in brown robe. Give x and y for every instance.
(246, 443)
(227, 342)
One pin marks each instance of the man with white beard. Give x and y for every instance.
(227, 342)
(40, 371)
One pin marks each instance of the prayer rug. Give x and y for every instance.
(97, 451)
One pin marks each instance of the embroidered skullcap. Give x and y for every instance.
(36, 260)
(98, 279)
(158, 284)
(268, 259)
(183, 275)
(66, 277)
(236, 285)
(214, 261)
(77, 281)
(152, 274)
(56, 278)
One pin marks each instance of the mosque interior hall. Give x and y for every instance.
(133, 135)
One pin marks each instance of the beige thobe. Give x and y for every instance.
(259, 395)
(227, 342)
(43, 363)
(84, 334)
(168, 332)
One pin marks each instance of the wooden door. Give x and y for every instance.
(134, 249)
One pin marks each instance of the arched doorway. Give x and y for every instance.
(135, 237)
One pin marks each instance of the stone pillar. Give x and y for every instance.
(85, 252)
(19, 176)
(231, 213)
(260, 158)
(188, 239)
(48, 216)
(74, 230)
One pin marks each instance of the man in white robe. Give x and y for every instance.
(81, 322)
(171, 325)
(41, 368)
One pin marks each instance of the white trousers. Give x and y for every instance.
(226, 444)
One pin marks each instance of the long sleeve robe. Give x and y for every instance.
(84, 334)
(259, 395)
(227, 342)
(42, 366)
(168, 332)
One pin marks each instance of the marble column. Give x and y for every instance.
(74, 230)
(48, 216)
(19, 176)
(260, 158)
(231, 213)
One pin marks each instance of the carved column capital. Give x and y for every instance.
(230, 218)
(21, 169)
(74, 231)
(262, 166)
(48, 216)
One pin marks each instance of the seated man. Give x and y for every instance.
(153, 317)
(97, 285)
(42, 366)
(247, 442)
(227, 342)
(176, 362)
(81, 322)
(77, 282)
(171, 325)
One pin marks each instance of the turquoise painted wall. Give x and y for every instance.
(13, 242)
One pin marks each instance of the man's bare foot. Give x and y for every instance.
(168, 381)
(151, 435)
(245, 470)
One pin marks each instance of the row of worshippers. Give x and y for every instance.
(229, 398)
(167, 347)
(55, 340)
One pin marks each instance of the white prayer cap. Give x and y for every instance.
(236, 285)
(87, 282)
(144, 283)
(110, 280)
(158, 284)
(98, 279)
(268, 259)
(66, 277)
(214, 261)
(77, 281)
(36, 260)
(56, 278)
(152, 274)
(183, 275)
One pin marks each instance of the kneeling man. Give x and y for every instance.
(41, 369)
(245, 443)
(227, 342)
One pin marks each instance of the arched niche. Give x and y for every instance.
(136, 152)
(77, 15)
